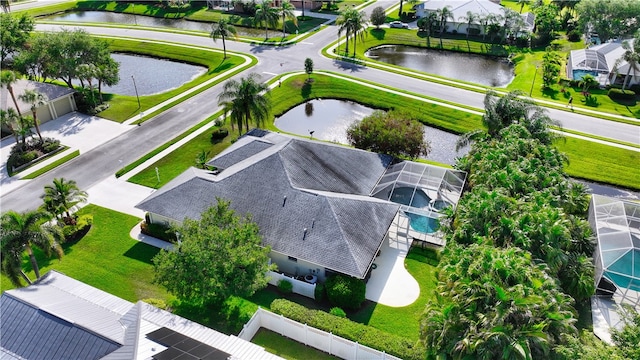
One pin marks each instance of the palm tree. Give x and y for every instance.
(222, 30)
(202, 158)
(35, 99)
(20, 233)
(428, 24)
(286, 10)
(444, 14)
(8, 118)
(7, 79)
(500, 112)
(358, 28)
(587, 82)
(631, 56)
(267, 15)
(246, 99)
(471, 19)
(344, 21)
(62, 195)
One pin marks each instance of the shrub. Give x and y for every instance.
(319, 292)
(285, 286)
(336, 311)
(159, 231)
(345, 328)
(635, 88)
(345, 291)
(219, 134)
(522, 41)
(619, 94)
(76, 231)
(50, 145)
(574, 35)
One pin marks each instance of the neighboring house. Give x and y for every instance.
(600, 62)
(60, 102)
(323, 208)
(459, 9)
(616, 224)
(61, 318)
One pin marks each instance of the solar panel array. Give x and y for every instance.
(181, 347)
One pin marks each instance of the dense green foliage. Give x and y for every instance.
(61, 196)
(345, 291)
(285, 286)
(159, 231)
(612, 18)
(74, 232)
(395, 133)
(627, 339)
(218, 256)
(14, 33)
(619, 94)
(518, 247)
(363, 334)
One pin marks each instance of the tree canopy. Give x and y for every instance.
(393, 133)
(609, 19)
(14, 33)
(378, 16)
(246, 100)
(217, 256)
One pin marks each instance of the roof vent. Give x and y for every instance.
(284, 201)
(304, 235)
(313, 222)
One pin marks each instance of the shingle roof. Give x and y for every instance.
(51, 91)
(31, 333)
(326, 189)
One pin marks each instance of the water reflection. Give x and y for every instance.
(467, 67)
(329, 120)
(130, 19)
(152, 75)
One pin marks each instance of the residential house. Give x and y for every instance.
(322, 208)
(60, 318)
(599, 61)
(60, 101)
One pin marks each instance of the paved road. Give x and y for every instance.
(104, 161)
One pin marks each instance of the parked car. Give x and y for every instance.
(398, 25)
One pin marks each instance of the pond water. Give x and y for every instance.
(130, 19)
(151, 75)
(329, 120)
(473, 68)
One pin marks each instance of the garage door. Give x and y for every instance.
(62, 106)
(44, 114)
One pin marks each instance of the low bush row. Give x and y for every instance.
(619, 94)
(345, 328)
(158, 231)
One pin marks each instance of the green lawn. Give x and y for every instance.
(287, 348)
(106, 258)
(124, 107)
(53, 165)
(404, 321)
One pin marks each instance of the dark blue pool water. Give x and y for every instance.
(402, 195)
(423, 224)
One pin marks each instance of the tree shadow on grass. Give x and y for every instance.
(306, 90)
(379, 34)
(222, 67)
(142, 252)
(551, 93)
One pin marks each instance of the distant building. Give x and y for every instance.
(599, 61)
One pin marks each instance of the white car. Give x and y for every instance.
(398, 25)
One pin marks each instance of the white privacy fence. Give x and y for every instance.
(299, 287)
(321, 340)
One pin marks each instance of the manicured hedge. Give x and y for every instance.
(158, 231)
(345, 328)
(619, 94)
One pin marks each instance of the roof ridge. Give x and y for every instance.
(342, 233)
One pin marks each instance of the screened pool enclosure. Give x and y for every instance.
(422, 191)
(617, 257)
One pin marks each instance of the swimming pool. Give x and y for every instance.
(423, 224)
(402, 195)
